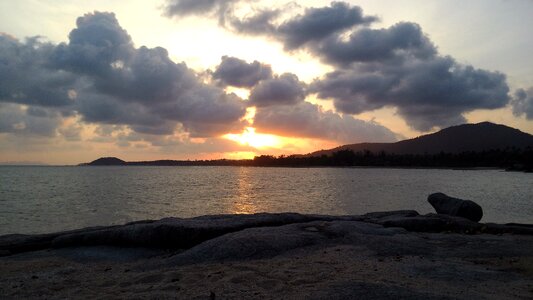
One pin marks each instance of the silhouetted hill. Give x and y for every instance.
(457, 139)
(106, 161)
(464, 146)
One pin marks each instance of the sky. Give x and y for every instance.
(209, 79)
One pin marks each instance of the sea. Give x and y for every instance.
(42, 199)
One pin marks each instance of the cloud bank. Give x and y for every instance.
(396, 67)
(100, 76)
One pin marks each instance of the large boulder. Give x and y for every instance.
(447, 205)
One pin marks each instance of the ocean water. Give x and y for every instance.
(47, 199)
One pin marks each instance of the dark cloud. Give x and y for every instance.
(285, 89)
(16, 120)
(399, 67)
(94, 45)
(192, 7)
(27, 78)
(259, 23)
(206, 111)
(149, 77)
(309, 120)
(395, 67)
(237, 72)
(102, 77)
(403, 40)
(522, 103)
(426, 93)
(313, 25)
(220, 8)
(99, 108)
(317, 23)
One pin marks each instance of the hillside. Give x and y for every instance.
(462, 138)
(106, 161)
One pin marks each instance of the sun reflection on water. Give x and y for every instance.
(244, 202)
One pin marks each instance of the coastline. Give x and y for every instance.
(376, 255)
(297, 167)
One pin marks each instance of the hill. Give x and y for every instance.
(478, 137)
(106, 161)
(464, 146)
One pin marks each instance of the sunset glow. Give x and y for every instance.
(257, 140)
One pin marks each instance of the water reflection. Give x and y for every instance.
(243, 202)
(45, 199)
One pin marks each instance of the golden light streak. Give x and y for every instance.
(257, 140)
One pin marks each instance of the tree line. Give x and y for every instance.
(511, 158)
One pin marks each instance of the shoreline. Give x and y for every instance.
(373, 256)
(290, 167)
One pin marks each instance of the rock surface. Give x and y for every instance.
(178, 233)
(447, 205)
(383, 255)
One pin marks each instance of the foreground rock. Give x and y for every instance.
(384, 255)
(447, 205)
(178, 233)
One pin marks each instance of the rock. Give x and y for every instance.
(524, 229)
(176, 233)
(302, 230)
(447, 205)
(435, 223)
(264, 242)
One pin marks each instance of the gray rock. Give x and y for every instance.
(512, 228)
(447, 205)
(176, 233)
(435, 223)
(263, 242)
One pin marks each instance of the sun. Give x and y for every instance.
(257, 140)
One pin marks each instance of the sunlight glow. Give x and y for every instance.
(257, 140)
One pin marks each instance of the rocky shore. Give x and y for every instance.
(382, 255)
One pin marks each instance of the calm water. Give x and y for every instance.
(45, 199)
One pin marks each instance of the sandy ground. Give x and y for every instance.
(342, 271)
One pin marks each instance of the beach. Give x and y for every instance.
(265, 256)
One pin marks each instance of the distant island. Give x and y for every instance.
(464, 146)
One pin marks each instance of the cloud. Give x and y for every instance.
(317, 23)
(27, 78)
(259, 23)
(191, 7)
(94, 45)
(237, 72)
(522, 103)
(400, 41)
(17, 120)
(285, 89)
(102, 77)
(426, 93)
(183, 8)
(309, 120)
(400, 67)
(395, 67)
(313, 25)
(206, 111)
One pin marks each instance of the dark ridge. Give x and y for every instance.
(106, 161)
(482, 145)
(478, 137)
